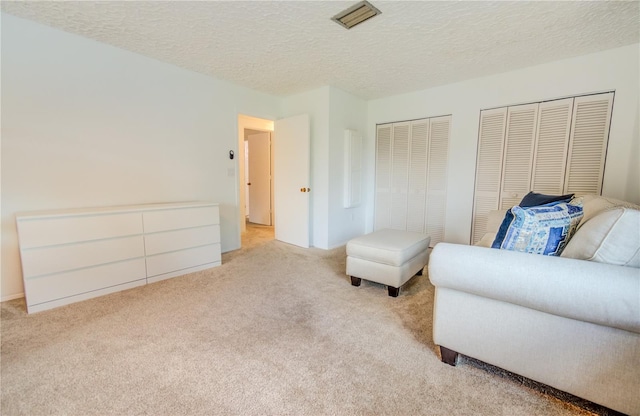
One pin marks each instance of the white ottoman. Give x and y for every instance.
(389, 257)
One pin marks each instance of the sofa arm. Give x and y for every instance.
(578, 289)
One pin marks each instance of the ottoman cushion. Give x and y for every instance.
(392, 247)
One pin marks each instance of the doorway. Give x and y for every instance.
(290, 176)
(255, 180)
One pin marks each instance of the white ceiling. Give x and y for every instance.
(284, 47)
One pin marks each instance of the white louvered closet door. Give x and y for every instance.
(552, 142)
(588, 144)
(383, 176)
(399, 175)
(518, 156)
(417, 185)
(439, 131)
(488, 169)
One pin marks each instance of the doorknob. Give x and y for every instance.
(303, 190)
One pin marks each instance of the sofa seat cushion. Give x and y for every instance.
(392, 247)
(611, 236)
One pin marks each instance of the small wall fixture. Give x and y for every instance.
(356, 14)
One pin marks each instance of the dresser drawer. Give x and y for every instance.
(63, 230)
(183, 259)
(180, 239)
(62, 285)
(174, 219)
(48, 260)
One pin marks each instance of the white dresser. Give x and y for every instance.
(72, 255)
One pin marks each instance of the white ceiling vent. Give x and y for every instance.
(356, 14)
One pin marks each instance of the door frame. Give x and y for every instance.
(260, 191)
(251, 123)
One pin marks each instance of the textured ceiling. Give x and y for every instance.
(284, 47)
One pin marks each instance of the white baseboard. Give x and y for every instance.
(11, 297)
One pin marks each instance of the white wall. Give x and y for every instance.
(87, 124)
(345, 112)
(316, 104)
(615, 69)
(331, 111)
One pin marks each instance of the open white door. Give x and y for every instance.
(259, 178)
(291, 180)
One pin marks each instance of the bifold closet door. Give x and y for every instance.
(383, 176)
(411, 176)
(553, 147)
(488, 168)
(399, 175)
(552, 142)
(439, 131)
(417, 184)
(588, 144)
(518, 154)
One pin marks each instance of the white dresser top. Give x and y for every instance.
(32, 215)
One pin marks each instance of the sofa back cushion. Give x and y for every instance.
(595, 204)
(611, 236)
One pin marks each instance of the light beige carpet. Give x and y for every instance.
(275, 330)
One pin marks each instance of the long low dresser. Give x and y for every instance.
(72, 255)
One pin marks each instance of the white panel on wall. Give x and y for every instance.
(352, 168)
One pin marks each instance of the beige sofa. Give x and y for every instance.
(571, 323)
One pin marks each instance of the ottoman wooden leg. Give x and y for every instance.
(355, 281)
(393, 291)
(448, 356)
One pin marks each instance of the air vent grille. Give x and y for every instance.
(356, 14)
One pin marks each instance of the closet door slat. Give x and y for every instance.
(383, 176)
(552, 142)
(417, 185)
(588, 144)
(519, 142)
(439, 133)
(488, 169)
(399, 175)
